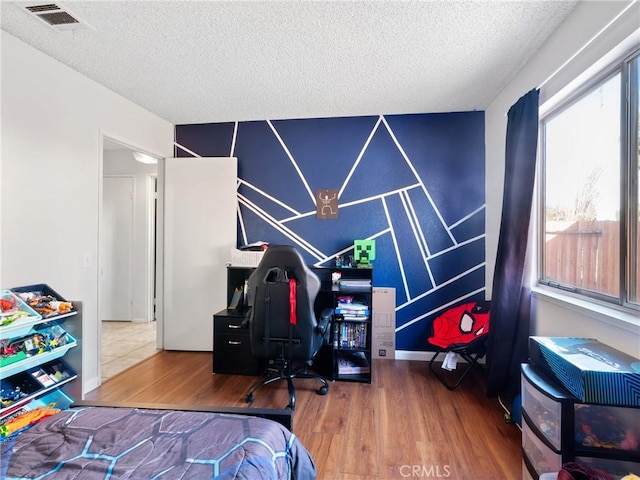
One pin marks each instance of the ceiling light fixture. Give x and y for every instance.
(144, 158)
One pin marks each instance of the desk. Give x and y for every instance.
(232, 343)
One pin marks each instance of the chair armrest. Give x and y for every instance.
(324, 321)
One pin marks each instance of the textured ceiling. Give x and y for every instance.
(215, 61)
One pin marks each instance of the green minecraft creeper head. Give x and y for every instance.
(364, 252)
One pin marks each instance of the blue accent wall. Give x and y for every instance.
(414, 183)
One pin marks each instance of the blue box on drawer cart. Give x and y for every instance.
(592, 371)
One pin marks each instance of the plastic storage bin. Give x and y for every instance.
(45, 300)
(55, 398)
(525, 472)
(607, 427)
(24, 386)
(546, 411)
(542, 458)
(20, 326)
(34, 360)
(617, 468)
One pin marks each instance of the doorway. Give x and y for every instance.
(126, 298)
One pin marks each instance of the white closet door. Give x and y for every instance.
(199, 232)
(116, 250)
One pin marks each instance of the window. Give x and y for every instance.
(589, 190)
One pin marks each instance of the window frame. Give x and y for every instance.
(628, 182)
(632, 199)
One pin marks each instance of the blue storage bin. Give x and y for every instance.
(20, 326)
(35, 360)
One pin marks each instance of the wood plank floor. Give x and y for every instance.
(404, 425)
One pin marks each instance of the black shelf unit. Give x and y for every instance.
(360, 350)
(558, 428)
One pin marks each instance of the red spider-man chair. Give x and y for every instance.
(462, 330)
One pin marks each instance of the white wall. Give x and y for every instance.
(553, 316)
(121, 162)
(53, 120)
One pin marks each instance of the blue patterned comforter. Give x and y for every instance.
(139, 444)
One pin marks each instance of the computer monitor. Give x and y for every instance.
(364, 252)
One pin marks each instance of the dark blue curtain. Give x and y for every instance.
(508, 336)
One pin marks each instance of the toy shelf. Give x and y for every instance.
(32, 374)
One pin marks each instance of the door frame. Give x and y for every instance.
(150, 278)
(152, 270)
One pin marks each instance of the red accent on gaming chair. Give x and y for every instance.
(463, 330)
(293, 320)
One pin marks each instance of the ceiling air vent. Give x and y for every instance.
(56, 16)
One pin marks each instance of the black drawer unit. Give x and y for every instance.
(232, 345)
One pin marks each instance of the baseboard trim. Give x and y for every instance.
(425, 356)
(89, 384)
(409, 355)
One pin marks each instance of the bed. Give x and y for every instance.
(120, 441)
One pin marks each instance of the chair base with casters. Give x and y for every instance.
(471, 352)
(284, 369)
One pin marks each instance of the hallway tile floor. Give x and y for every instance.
(124, 344)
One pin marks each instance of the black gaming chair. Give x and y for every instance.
(282, 322)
